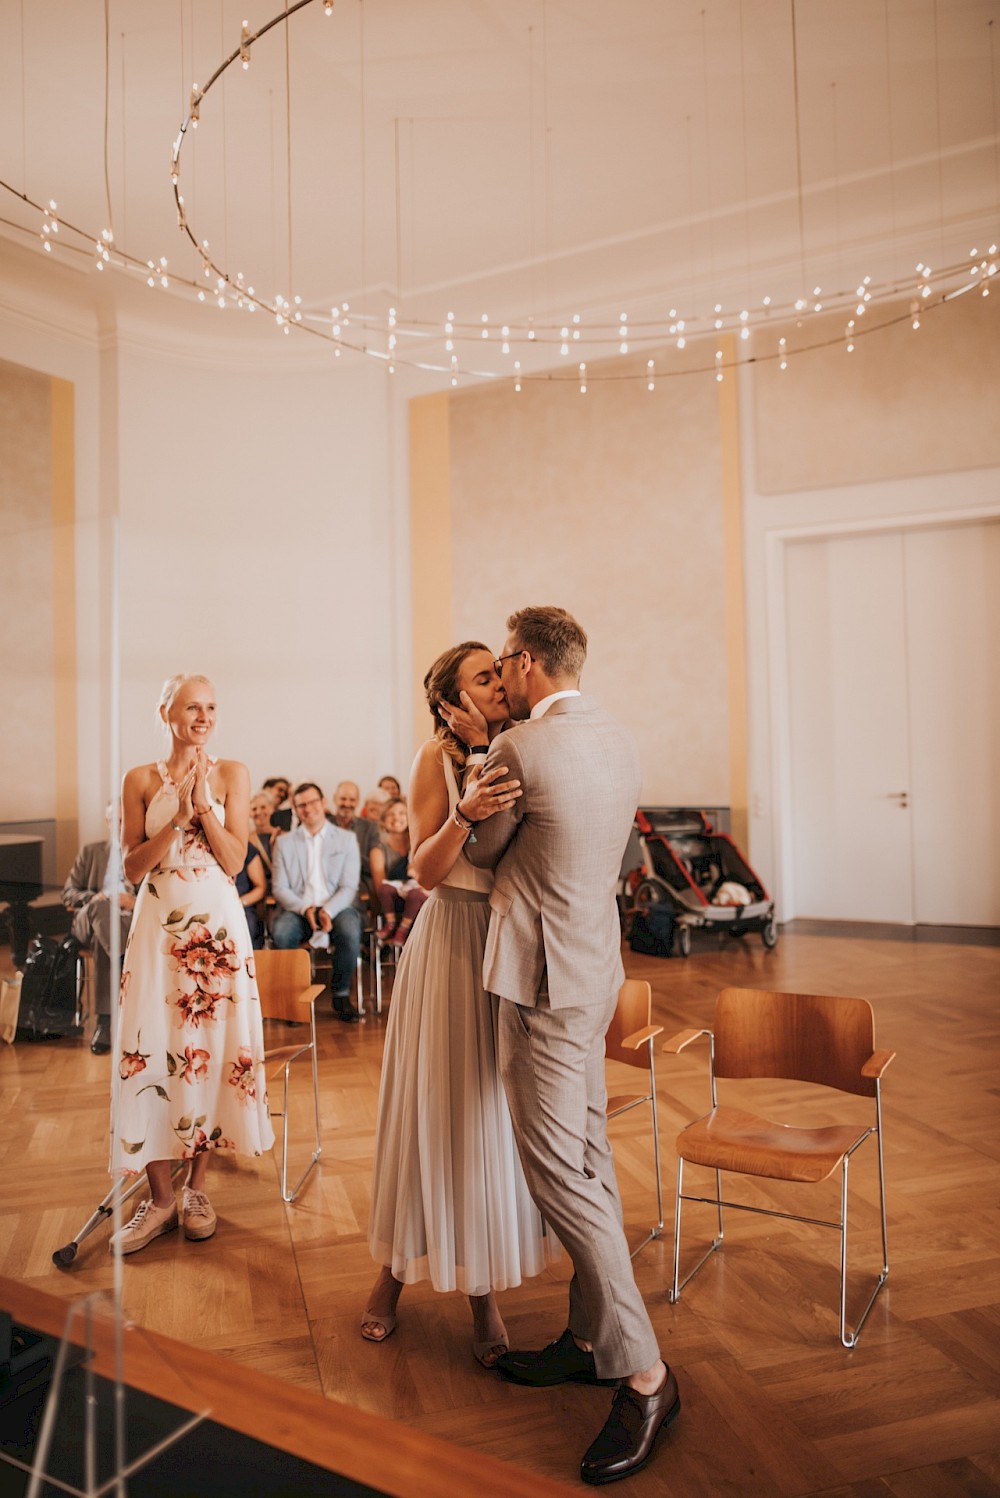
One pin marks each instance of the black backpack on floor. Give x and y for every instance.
(49, 989)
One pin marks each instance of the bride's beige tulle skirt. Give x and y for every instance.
(449, 1199)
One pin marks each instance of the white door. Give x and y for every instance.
(953, 626)
(894, 726)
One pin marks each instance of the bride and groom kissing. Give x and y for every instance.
(523, 803)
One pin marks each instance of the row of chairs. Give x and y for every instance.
(758, 1034)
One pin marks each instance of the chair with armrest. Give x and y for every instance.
(792, 1037)
(288, 996)
(630, 1040)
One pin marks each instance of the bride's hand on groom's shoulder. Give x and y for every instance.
(486, 793)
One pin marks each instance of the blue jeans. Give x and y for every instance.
(290, 929)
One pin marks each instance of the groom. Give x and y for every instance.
(554, 956)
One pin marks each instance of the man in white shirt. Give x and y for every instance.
(315, 881)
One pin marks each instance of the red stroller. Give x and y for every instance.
(702, 875)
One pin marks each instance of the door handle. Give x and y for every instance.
(902, 797)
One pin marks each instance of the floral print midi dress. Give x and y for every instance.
(189, 1074)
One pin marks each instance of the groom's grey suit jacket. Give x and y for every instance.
(557, 855)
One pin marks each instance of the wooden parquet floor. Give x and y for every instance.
(772, 1404)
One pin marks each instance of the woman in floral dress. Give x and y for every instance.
(190, 1073)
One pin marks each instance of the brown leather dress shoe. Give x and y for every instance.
(626, 1442)
(562, 1362)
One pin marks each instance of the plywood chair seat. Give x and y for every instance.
(811, 1038)
(629, 1039)
(287, 996)
(729, 1139)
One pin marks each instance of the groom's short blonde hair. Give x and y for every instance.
(553, 637)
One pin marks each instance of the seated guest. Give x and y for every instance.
(251, 886)
(345, 809)
(315, 882)
(282, 814)
(263, 830)
(399, 895)
(375, 804)
(87, 891)
(392, 788)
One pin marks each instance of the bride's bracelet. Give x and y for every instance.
(461, 820)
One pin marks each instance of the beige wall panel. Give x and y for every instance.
(834, 418)
(608, 504)
(27, 744)
(430, 546)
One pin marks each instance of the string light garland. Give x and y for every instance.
(377, 336)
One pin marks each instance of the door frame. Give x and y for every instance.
(776, 542)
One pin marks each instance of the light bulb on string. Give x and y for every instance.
(245, 46)
(583, 379)
(650, 372)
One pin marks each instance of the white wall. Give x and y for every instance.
(255, 548)
(259, 535)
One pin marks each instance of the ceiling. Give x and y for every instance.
(522, 159)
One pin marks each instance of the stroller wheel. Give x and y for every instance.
(769, 935)
(684, 940)
(650, 892)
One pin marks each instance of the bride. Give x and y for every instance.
(449, 1200)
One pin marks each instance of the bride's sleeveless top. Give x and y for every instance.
(189, 849)
(463, 874)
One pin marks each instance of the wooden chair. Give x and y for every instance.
(793, 1037)
(630, 1039)
(286, 994)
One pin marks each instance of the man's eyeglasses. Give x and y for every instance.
(300, 806)
(498, 664)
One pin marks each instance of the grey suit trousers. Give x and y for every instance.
(552, 1065)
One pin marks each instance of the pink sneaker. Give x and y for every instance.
(148, 1223)
(200, 1220)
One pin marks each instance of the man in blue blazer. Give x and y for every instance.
(315, 880)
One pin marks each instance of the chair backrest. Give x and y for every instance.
(635, 998)
(796, 1036)
(282, 977)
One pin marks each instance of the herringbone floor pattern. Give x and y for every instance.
(772, 1402)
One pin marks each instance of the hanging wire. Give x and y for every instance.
(708, 149)
(107, 111)
(288, 147)
(746, 175)
(24, 109)
(124, 151)
(798, 149)
(363, 105)
(890, 142)
(937, 127)
(992, 49)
